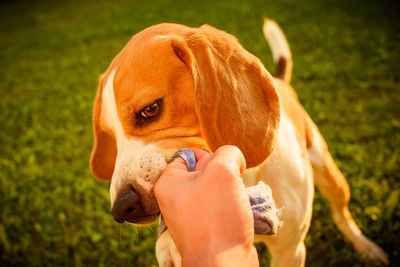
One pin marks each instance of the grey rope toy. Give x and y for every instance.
(265, 213)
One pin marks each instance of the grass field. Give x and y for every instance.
(53, 212)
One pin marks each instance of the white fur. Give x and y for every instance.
(109, 111)
(137, 165)
(276, 40)
(166, 252)
(318, 149)
(288, 172)
(279, 46)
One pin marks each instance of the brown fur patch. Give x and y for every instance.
(281, 68)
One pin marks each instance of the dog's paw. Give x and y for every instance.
(266, 215)
(166, 252)
(370, 252)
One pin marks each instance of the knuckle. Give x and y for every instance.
(229, 149)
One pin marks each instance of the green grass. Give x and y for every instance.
(53, 212)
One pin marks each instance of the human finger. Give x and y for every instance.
(232, 155)
(202, 157)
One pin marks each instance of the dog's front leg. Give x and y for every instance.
(166, 252)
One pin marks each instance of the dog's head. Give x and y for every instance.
(173, 87)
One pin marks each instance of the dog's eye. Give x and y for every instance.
(150, 111)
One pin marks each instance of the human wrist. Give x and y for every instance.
(220, 255)
(241, 256)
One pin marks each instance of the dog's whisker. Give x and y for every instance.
(152, 230)
(136, 235)
(120, 232)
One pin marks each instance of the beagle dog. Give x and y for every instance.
(174, 87)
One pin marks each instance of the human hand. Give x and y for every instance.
(207, 211)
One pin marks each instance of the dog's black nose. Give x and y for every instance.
(126, 206)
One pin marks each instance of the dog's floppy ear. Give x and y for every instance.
(104, 153)
(236, 99)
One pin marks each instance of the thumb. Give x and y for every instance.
(178, 164)
(173, 174)
(177, 167)
(176, 171)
